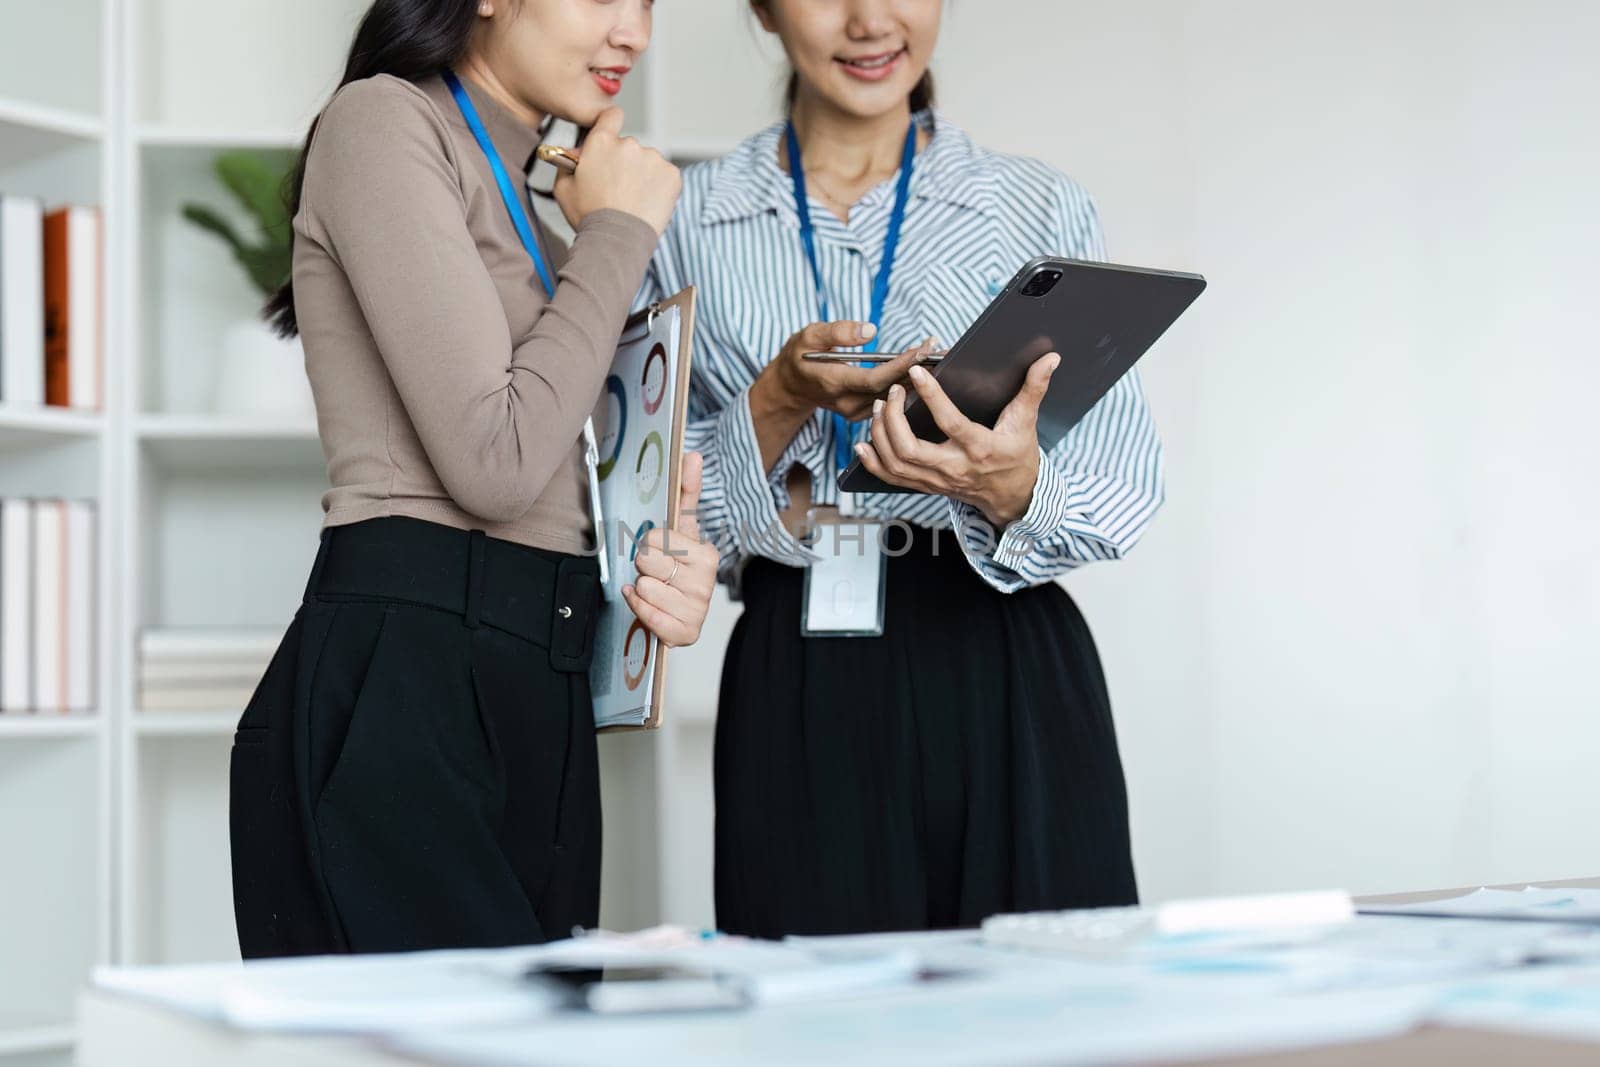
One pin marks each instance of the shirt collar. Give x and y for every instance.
(749, 181)
(514, 140)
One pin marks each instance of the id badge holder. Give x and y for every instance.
(844, 591)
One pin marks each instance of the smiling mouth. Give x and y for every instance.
(872, 67)
(609, 78)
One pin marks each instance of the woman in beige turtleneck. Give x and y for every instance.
(418, 768)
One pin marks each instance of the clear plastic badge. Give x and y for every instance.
(845, 589)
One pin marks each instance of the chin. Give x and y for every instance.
(870, 101)
(881, 100)
(584, 112)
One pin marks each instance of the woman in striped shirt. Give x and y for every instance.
(964, 762)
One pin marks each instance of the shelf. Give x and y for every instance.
(29, 132)
(23, 724)
(20, 1041)
(219, 139)
(211, 443)
(34, 426)
(185, 723)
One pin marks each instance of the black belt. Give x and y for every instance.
(546, 598)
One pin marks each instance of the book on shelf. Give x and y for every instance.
(205, 698)
(74, 345)
(16, 605)
(21, 301)
(48, 607)
(203, 668)
(82, 521)
(209, 644)
(178, 673)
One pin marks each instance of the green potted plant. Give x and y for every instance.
(259, 373)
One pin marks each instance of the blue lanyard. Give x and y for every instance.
(519, 218)
(880, 285)
(502, 178)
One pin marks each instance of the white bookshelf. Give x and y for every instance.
(50, 726)
(21, 427)
(185, 723)
(56, 898)
(213, 520)
(30, 132)
(216, 139)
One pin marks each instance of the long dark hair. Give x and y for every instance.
(410, 39)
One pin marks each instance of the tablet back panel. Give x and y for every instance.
(1099, 316)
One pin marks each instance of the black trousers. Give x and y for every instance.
(417, 768)
(963, 764)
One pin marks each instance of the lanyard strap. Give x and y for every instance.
(519, 218)
(880, 284)
(502, 178)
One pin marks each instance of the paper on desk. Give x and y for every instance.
(378, 993)
(1562, 905)
(1378, 951)
(1554, 1002)
(951, 1022)
(770, 972)
(343, 994)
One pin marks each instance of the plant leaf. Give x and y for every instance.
(209, 220)
(268, 267)
(257, 182)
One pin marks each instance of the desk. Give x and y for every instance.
(117, 1032)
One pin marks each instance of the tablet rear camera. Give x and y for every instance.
(1041, 283)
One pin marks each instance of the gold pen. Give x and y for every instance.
(565, 159)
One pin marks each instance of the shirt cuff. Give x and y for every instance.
(752, 498)
(1047, 512)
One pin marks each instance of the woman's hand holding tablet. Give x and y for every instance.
(1099, 318)
(994, 470)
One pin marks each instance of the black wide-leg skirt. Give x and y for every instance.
(417, 769)
(962, 765)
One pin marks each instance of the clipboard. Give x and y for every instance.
(639, 429)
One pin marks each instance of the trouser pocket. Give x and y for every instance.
(277, 910)
(407, 820)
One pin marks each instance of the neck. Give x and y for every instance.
(476, 69)
(853, 148)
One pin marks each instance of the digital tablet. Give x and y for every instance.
(1099, 316)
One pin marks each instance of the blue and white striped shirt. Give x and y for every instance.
(973, 219)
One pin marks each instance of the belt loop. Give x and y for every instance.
(476, 541)
(317, 565)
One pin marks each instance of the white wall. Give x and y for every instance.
(293, 51)
(1351, 651)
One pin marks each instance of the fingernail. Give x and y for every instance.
(867, 331)
(861, 450)
(918, 374)
(877, 408)
(894, 392)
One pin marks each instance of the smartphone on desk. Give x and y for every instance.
(641, 990)
(854, 358)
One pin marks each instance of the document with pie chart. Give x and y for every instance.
(639, 425)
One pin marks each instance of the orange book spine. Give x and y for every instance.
(57, 309)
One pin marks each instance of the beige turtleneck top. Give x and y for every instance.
(447, 387)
